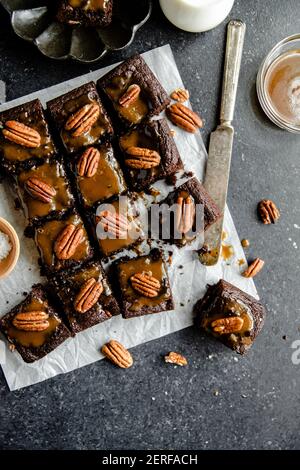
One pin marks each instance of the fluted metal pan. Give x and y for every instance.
(34, 21)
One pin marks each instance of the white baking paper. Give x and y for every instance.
(187, 287)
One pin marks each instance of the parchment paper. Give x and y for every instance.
(187, 287)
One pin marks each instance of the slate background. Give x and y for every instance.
(218, 401)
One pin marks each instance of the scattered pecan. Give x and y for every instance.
(88, 295)
(88, 163)
(180, 94)
(245, 243)
(224, 326)
(144, 283)
(39, 189)
(176, 358)
(115, 224)
(68, 241)
(184, 117)
(82, 121)
(185, 214)
(142, 158)
(21, 134)
(31, 321)
(130, 95)
(268, 211)
(117, 354)
(254, 268)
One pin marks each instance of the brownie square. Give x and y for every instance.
(116, 226)
(154, 136)
(144, 285)
(244, 315)
(183, 199)
(85, 283)
(39, 330)
(24, 136)
(80, 118)
(150, 98)
(98, 175)
(43, 191)
(96, 13)
(65, 230)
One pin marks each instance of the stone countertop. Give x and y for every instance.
(219, 401)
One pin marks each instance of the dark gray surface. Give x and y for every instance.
(154, 405)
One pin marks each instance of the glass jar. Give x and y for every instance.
(196, 16)
(278, 84)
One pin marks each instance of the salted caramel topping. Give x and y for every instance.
(137, 109)
(34, 338)
(158, 277)
(92, 5)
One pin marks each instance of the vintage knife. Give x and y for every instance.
(220, 147)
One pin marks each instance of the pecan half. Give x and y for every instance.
(116, 224)
(254, 268)
(88, 163)
(68, 241)
(117, 354)
(268, 211)
(144, 283)
(176, 358)
(82, 121)
(31, 321)
(224, 326)
(88, 295)
(184, 117)
(142, 158)
(180, 94)
(39, 189)
(21, 134)
(130, 95)
(185, 214)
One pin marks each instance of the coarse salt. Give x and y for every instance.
(5, 246)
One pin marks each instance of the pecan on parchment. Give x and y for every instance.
(117, 354)
(184, 117)
(180, 94)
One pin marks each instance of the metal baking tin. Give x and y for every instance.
(33, 21)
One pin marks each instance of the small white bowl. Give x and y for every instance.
(8, 264)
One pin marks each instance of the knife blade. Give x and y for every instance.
(221, 142)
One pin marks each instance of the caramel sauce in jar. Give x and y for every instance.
(283, 86)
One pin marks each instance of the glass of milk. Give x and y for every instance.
(196, 16)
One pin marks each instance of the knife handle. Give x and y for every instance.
(233, 58)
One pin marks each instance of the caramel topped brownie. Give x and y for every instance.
(43, 190)
(24, 136)
(117, 226)
(180, 219)
(62, 243)
(97, 13)
(98, 175)
(86, 296)
(80, 118)
(230, 315)
(144, 285)
(150, 154)
(134, 91)
(34, 326)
